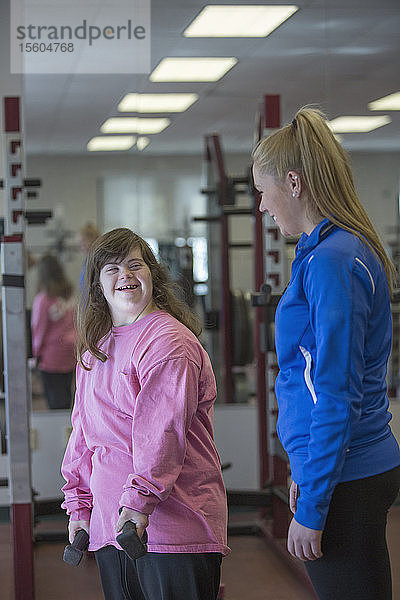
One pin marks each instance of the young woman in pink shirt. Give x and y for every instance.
(53, 332)
(142, 445)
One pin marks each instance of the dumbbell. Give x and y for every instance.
(74, 552)
(130, 542)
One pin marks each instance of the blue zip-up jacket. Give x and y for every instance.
(333, 338)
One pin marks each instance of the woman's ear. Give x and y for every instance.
(294, 181)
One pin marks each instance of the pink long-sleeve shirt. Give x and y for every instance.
(53, 333)
(143, 438)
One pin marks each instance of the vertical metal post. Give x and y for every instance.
(272, 111)
(269, 267)
(14, 343)
(259, 347)
(213, 299)
(267, 117)
(216, 157)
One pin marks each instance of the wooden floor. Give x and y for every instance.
(253, 571)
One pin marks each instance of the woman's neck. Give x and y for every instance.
(146, 310)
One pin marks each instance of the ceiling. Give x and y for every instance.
(339, 54)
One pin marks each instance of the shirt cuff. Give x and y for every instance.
(311, 514)
(81, 514)
(135, 501)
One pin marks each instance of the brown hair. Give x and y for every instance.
(94, 318)
(308, 146)
(52, 279)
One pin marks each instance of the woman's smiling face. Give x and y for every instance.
(278, 201)
(127, 286)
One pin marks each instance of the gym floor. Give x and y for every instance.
(253, 571)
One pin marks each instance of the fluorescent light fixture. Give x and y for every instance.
(238, 21)
(156, 103)
(107, 143)
(142, 142)
(192, 69)
(391, 102)
(358, 124)
(134, 125)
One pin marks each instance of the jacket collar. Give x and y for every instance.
(320, 231)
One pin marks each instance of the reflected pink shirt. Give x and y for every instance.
(143, 438)
(53, 333)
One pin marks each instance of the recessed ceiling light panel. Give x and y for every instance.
(358, 124)
(142, 142)
(238, 20)
(108, 143)
(192, 69)
(391, 102)
(156, 103)
(134, 125)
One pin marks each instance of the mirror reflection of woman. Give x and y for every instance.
(142, 441)
(53, 332)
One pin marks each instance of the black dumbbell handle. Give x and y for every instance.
(74, 552)
(81, 540)
(130, 542)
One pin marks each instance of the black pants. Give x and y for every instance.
(57, 389)
(158, 576)
(355, 563)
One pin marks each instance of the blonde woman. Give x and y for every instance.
(333, 339)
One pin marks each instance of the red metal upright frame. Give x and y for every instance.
(267, 117)
(273, 467)
(14, 343)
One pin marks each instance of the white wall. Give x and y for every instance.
(236, 438)
(377, 181)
